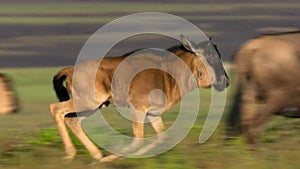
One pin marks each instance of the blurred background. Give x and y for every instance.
(51, 33)
(39, 37)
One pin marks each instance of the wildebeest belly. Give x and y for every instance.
(292, 112)
(145, 92)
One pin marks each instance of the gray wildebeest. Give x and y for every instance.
(203, 62)
(267, 70)
(8, 100)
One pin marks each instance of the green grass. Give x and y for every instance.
(33, 20)
(91, 13)
(29, 138)
(54, 20)
(104, 8)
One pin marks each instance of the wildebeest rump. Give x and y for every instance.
(8, 100)
(203, 62)
(267, 73)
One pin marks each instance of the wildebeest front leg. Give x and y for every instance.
(58, 111)
(74, 124)
(138, 120)
(158, 125)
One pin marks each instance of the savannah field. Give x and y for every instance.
(38, 38)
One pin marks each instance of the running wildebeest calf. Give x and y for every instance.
(8, 100)
(203, 61)
(267, 70)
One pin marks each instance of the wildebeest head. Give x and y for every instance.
(208, 55)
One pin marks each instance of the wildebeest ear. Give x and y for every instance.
(189, 45)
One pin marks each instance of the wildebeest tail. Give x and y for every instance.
(243, 74)
(234, 117)
(243, 77)
(58, 84)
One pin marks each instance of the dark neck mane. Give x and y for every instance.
(174, 49)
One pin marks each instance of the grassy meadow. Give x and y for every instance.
(29, 138)
(81, 12)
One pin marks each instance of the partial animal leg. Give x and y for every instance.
(138, 119)
(58, 111)
(272, 106)
(248, 110)
(158, 125)
(74, 124)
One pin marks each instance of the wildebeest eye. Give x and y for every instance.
(199, 74)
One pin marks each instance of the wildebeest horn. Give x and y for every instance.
(189, 45)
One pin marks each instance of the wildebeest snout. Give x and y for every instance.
(222, 83)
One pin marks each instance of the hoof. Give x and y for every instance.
(70, 153)
(253, 147)
(109, 158)
(68, 159)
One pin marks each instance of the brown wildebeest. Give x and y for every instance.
(8, 101)
(267, 70)
(202, 60)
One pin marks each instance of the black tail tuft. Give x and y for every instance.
(61, 92)
(234, 117)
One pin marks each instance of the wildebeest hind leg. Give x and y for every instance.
(158, 125)
(273, 105)
(248, 111)
(74, 124)
(58, 111)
